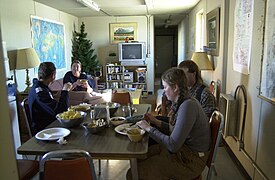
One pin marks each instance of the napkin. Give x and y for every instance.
(62, 141)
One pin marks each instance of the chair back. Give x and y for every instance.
(216, 126)
(27, 116)
(212, 87)
(123, 98)
(71, 164)
(164, 111)
(218, 93)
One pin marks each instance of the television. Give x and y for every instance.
(132, 52)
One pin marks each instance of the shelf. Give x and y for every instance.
(115, 80)
(128, 76)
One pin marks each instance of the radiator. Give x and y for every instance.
(228, 107)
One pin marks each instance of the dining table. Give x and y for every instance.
(107, 144)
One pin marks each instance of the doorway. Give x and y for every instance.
(166, 49)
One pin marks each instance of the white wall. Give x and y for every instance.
(259, 112)
(182, 39)
(98, 32)
(16, 30)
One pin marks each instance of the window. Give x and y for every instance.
(200, 29)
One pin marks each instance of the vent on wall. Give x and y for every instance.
(228, 107)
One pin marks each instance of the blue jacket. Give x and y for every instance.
(43, 107)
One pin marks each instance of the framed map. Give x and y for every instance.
(48, 41)
(268, 64)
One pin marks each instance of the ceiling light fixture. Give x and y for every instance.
(89, 3)
(150, 4)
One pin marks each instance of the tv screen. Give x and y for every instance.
(131, 51)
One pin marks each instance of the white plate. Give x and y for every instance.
(52, 134)
(121, 129)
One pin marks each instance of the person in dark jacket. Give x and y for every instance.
(79, 79)
(43, 107)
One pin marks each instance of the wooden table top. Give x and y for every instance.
(105, 145)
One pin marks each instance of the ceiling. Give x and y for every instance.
(173, 10)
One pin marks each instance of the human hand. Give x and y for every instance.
(67, 86)
(144, 125)
(85, 85)
(150, 118)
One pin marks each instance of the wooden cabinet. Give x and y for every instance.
(119, 76)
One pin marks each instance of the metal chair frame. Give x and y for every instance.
(216, 116)
(24, 105)
(66, 154)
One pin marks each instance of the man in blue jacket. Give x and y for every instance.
(43, 107)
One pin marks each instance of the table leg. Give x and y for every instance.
(134, 170)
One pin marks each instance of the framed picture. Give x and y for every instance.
(119, 32)
(213, 31)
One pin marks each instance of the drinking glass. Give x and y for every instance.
(127, 111)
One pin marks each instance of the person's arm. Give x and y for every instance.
(161, 125)
(50, 105)
(185, 120)
(86, 85)
(66, 78)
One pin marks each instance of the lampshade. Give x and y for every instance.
(202, 60)
(27, 58)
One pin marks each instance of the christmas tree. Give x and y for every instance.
(82, 50)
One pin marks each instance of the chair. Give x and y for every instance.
(218, 93)
(212, 87)
(67, 164)
(216, 125)
(27, 116)
(123, 98)
(164, 108)
(27, 168)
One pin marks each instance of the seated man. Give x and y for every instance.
(196, 87)
(43, 107)
(79, 80)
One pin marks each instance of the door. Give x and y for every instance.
(164, 54)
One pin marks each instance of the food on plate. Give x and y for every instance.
(135, 134)
(81, 107)
(117, 120)
(70, 114)
(95, 126)
(133, 131)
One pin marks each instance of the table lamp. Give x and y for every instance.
(202, 60)
(27, 58)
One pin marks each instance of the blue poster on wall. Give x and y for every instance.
(48, 41)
